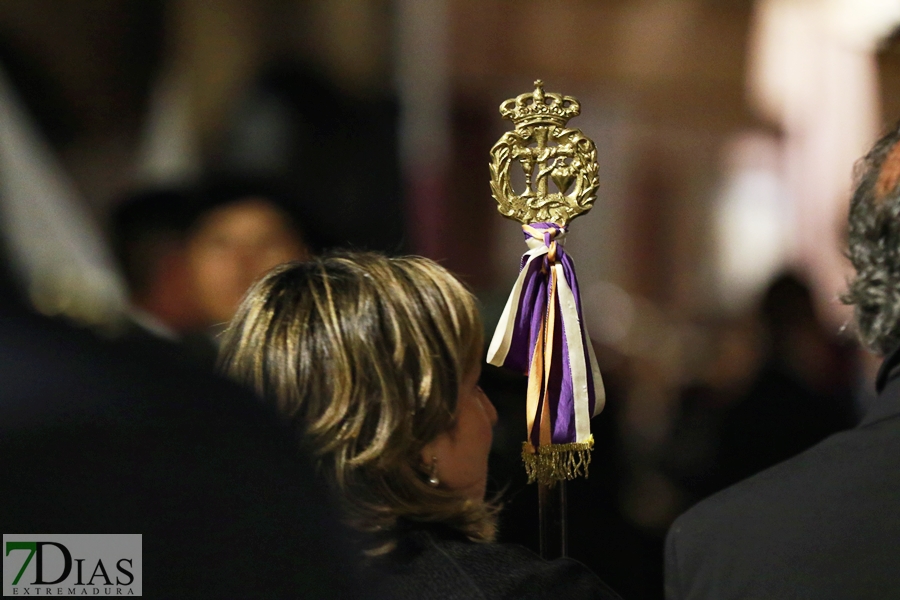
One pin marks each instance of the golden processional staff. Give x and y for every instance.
(541, 332)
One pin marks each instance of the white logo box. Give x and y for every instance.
(72, 565)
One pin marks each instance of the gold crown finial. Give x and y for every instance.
(540, 107)
(549, 154)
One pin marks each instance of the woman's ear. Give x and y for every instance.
(428, 454)
(430, 457)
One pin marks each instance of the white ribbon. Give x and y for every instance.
(499, 347)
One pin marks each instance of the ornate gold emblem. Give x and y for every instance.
(548, 152)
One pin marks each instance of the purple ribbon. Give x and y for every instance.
(537, 292)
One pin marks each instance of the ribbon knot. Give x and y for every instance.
(552, 237)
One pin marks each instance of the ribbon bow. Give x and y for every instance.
(542, 320)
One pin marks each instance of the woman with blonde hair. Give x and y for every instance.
(376, 360)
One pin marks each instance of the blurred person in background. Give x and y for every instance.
(190, 254)
(825, 523)
(242, 229)
(802, 393)
(376, 361)
(149, 233)
(728, 363)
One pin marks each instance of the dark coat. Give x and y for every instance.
(97, 439)
(437, 563)
(824, 524)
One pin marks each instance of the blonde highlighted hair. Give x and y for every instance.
(365, 354)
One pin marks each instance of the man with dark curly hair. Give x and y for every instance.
(826, 523)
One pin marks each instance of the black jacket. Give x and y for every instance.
(437, 563)
(824, 524)
(96, 438)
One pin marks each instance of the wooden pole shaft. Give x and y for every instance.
(553, 520)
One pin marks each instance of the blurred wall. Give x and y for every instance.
(662, 84)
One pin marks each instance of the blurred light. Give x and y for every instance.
(54, 246)
(862, 23)
(791, 38)
(753, 220)
(812, 73)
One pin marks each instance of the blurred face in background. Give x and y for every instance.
(232, 247)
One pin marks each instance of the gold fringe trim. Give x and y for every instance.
(557, 462)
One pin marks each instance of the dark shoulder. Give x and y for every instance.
(433, 563)
(757, 500)
(837, 468)
(819, 513)
(96, 438)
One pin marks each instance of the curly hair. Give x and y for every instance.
(365, 354)
(873, 246)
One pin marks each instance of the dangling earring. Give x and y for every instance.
(433, 480)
